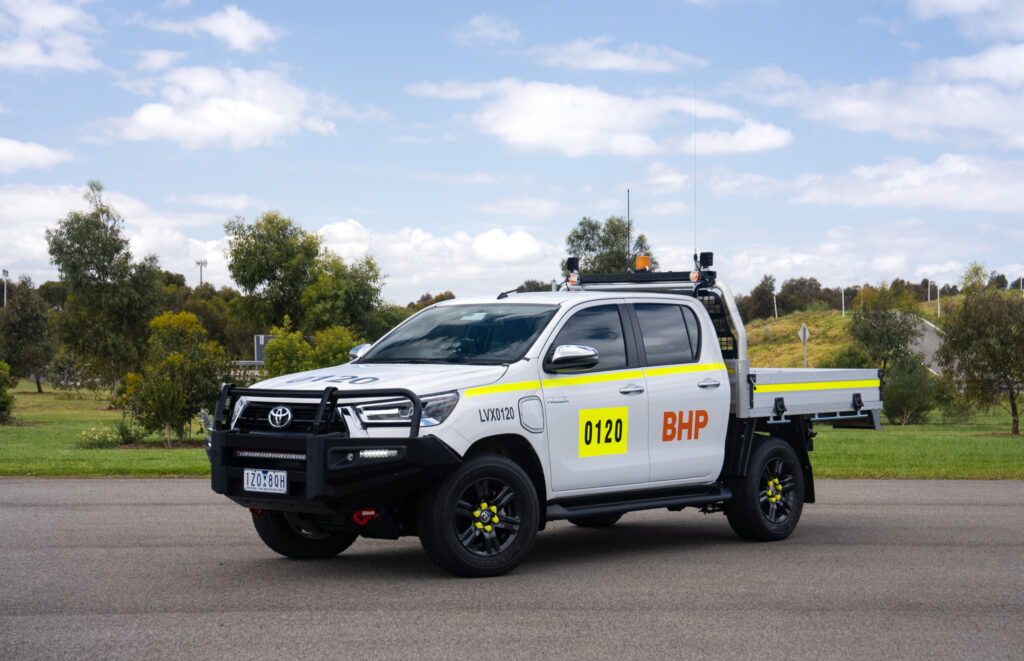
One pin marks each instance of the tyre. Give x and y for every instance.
(290, 536)
(596, 520)
(481, 520)
(766, 504)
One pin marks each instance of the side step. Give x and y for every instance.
(637, 500)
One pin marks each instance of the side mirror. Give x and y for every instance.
(572, 357)
(357, 352)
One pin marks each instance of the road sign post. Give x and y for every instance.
(803, 335)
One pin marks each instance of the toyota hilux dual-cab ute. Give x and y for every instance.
(476, 421)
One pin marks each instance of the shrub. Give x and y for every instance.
(6, 398)
(908, 392)
(952, 401)
(849, 357)
(98, 438)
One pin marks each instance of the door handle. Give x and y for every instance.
(708, 383)
(631, 389)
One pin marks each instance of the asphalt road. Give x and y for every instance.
(166, 569)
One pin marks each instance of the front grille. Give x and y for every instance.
(255, 418)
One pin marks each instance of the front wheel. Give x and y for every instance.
(766, 504)
(292, 537)
(482, 519)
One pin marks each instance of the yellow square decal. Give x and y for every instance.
(603, 431)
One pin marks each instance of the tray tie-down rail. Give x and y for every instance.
(230, 393)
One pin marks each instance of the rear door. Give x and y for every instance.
(688, 390)
(597, 419)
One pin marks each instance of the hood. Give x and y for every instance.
(421, 379)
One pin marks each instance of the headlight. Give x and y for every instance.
(237, 411)
(436, 408)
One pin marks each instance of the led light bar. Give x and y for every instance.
(378, 453)
(253, 454)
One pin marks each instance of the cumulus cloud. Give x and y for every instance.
(955, 182)
(595, 55)
(486, 29)
(579, 121)
(157, 60)
(977, 18)
(1002, 64)
(203, 106)
(42, 34)
(16, 155)
(467, 263)
(917, 110)
(663, 178)
(235, 27)
(235, 202)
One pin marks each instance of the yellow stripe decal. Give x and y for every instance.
(593, 378)
(683, 369)
(821, 385)
(502, 387)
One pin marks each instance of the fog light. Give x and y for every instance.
(378, 454)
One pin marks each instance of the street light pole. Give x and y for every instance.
(201, 263)
(775, 304)
(5, 288)
(842, 297)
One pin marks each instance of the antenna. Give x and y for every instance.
(629, 229)
(695, 165)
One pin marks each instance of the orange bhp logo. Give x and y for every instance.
(674, 424)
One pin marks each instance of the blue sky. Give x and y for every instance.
(458, 143)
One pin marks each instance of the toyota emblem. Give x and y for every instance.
(279, 417)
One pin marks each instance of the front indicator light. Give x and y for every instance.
(383, 453)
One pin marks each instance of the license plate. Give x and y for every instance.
(265, 481)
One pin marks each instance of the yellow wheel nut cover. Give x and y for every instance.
(487, 528)
(476, 512)
(483, 506)
(494, 509)
(478, 524)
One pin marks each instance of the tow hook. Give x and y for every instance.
(364, 516)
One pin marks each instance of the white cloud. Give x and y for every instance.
(16, 155)
(473, 178)
(978, 18)
(203, 106)
(468, 264)
(670, 208)
(47, 35)
(663, 178)
(227, 201)
(156, 60)
(523, 207)
(486, 29)
(591, 54)
(237, 28)
(953, 181)
(918, 110)
(1002, 64)
(579, 121)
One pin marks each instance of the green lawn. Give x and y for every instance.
(43, 444)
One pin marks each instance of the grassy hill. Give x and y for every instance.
(775, 343)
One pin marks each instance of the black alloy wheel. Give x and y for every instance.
(767, 502)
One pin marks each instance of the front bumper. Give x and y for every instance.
(332, 478)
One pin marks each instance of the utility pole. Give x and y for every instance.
(842, 297)
(775, 304)
(5, 288)
(629, 229)
(201, 263)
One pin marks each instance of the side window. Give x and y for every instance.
(693, 330)
(600, 328)
(666, 331)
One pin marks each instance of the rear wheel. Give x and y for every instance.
(596, 520)
(482, 519)
(766, 504)
(290, 536)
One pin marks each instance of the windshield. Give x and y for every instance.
(478, 334)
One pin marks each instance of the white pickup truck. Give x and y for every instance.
(476, 421)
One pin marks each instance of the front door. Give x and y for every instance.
(597, 418)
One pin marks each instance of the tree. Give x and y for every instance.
(54, 293)
(798, 293)
(290, 352)
(533, 285)
(884, 325)
(182, 374)
(608, 247)
(273, 260)
(983, 348)
(24, 336)
(428, 299)
(908, 392)
(760, 304)
(997, 280)
(110, 297)
(6, 398)
(343, 294)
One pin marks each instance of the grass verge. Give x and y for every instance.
(42, 443)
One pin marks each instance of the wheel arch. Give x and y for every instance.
(521, 451)
(744, 437)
